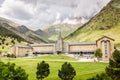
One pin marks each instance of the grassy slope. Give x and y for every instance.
(8, 40)
(107, 22)
(84, 69)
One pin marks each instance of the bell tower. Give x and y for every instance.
(59, 44)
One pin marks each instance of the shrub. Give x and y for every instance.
(98, 54)
(102, 76)
(11, 55)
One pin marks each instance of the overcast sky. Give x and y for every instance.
(40, 12)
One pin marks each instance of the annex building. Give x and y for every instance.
(81, 49)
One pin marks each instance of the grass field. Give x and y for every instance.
(84, 70)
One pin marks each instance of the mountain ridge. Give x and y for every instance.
(11, 23)
(20, 31)
(106, 22)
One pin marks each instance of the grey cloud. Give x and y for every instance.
(41, 12)
(20, 14)
(1, 1)
(16, 10)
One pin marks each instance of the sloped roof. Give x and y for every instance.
(105, 37)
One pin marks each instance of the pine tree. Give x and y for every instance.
(67, 72)
(113, 68)
(42, 70)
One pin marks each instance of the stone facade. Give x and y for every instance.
(21, 51)
(105, 43)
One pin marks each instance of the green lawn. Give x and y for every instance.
(84, 70)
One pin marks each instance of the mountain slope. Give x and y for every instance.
(3, 20)
(20, 32)
(7, 28)
(7, 33)
(31, 34)
(41, 33)
(106, 22)
(22, 29)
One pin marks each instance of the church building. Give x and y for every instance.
(82, 49)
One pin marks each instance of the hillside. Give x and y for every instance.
(9, 31)
(20, 32)
(32, 34)
(41, 33)
(4, 20)
(106, 22)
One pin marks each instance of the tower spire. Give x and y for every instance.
(60, 36)
(59, 44)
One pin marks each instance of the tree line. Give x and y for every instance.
(9, 71)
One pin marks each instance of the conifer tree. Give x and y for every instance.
(42, 70)
(113, 68)
(67, 72)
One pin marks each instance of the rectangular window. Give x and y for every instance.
(105, 48)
